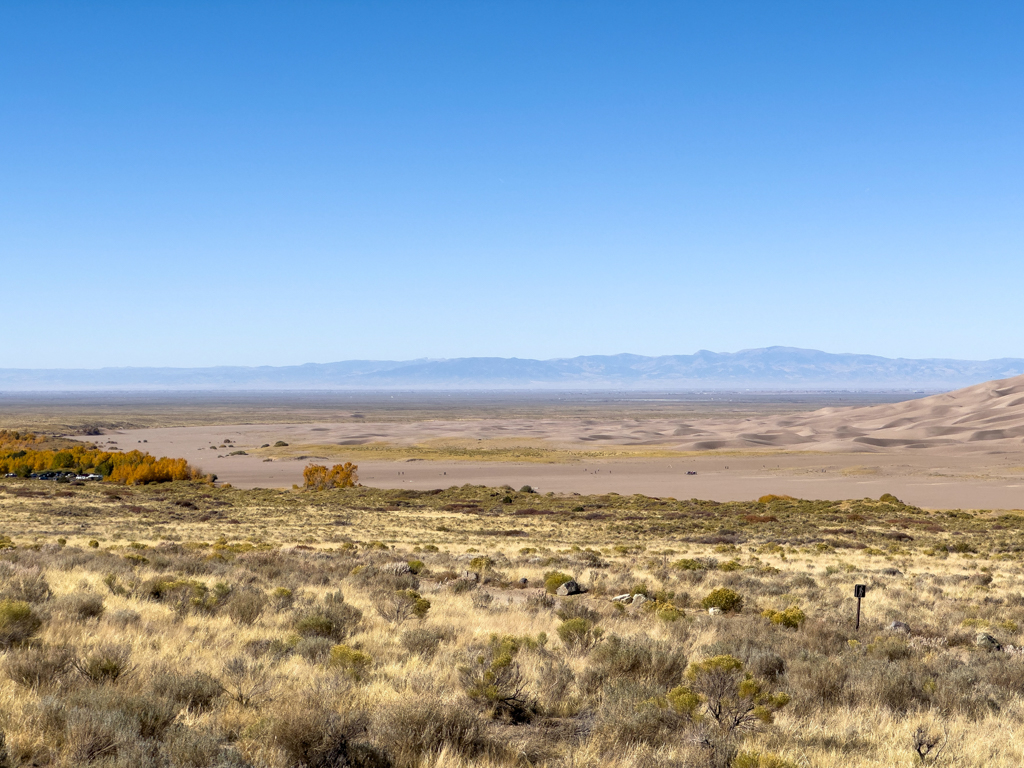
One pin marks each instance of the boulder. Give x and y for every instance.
(715, 611)
(471, 576)
(568, 588)
(626, 598)
(986, 641)
(899, 626)
(524, 581)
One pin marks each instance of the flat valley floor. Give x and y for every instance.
(720, 446)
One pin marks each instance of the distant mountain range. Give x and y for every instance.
(772, 368)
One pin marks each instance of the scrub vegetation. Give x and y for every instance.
(184, 624)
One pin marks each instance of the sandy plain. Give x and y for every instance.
(963, 449)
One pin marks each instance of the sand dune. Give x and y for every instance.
(959, 449)
(986, 417)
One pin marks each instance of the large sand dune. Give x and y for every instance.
(985, 417)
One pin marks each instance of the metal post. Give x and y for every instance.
(859, 591)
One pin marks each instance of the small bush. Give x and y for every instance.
(578, 635)
(425, 641)
(353, 662)
(493, 680)
(246, 606)
(414, 732)
(400, 606)
(314, 649)
(336, 621)
(27, 586)
(724, 599)
(282, 598)
(106, 663)
(313, 736)
(191, 690)
(86, 606)
(18, 622)
(39, 666)
(792, 617)
(246, 681)
(554, 579)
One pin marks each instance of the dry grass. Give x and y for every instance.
(218, 627)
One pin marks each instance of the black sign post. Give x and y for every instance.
(859, 591)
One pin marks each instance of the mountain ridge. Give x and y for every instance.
(774, 368)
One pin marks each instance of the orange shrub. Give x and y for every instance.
(317, 477)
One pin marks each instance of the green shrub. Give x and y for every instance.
(724, 599)
(416, 566)
(554, 579)
(481, 564)
(18, 622)
(493, 680)
(761, 760)
(337, 621)
(792, 617)
(282, 598)
(667, 612)
(353, 662)
(578, 635)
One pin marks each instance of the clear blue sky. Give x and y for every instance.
(276, 183)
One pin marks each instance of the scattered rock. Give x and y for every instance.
(626, 598)
(569, 588)
(986, 641)
(892, 572)
(899, 626)
(714, 611)
(639, 603)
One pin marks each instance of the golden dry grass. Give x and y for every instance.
(857, 697)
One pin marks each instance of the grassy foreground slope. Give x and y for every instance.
(187, 625)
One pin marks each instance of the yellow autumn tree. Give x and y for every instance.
(317, 477)
(130, 468)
